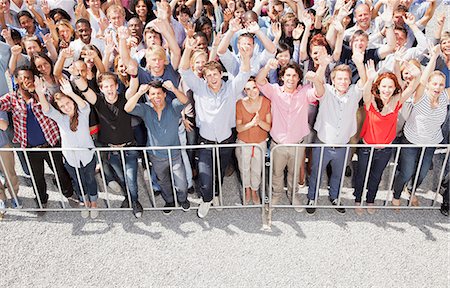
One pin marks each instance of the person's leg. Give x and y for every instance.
(76, 185)
(256, 165)
(280, 159)
(363, 160)
(337, 161)
(408, 164)
(426, 164)
(179, 178)
(131, 173)
(294, 160)
(114, 160)
(89, 182)
(9, 172)
(316, 151)
(205, 170)
(162, 171)
(184, 155)
(37, 172)
(379, 162)
(63, 176)
(243, 156)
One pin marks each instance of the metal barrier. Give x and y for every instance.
(153, 202)
(265, 206)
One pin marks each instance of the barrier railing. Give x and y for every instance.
(265, 206)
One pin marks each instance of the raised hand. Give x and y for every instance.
(44, 7)
(388, 13)
(227, 15)
(272, 64)
(245, 53)
(235, 25)
(310, 76)
(168, 85)
(217, 39)
(39, 86)
(307, 20)
(16, 50)
(358, 56)
(65, 86)
(103, 23)
(253, 27)
(67, 53)
(338, 26)
(30, 4)
(162, 8)
(143, 89)
(399, 54)
(371, 73)
(6, 33)
(409, 19)
(276, 29)
(298, 31)
(123, 32)
(190, 30)
(322, 8)
(190, 43)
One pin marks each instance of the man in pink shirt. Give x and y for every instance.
(290, 121)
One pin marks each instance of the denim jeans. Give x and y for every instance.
(205, 168)
(409, 160)
(87, 176)
(336, 158)
(128, 178)
(380, 160)
(162, 171)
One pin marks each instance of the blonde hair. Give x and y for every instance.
(158, 51)
(115, 8)
(197, 54)
(342, 67)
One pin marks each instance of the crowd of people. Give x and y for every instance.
(146, 73)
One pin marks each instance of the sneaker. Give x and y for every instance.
(94, 213)
(444, 209)
(73, 202)
(358, 210)
(216, 203)
(168, 211)
(84, 213)
(296, 201)
(115, 187)
(310, 211)
(137, 209)
(194, 199)
(203, 209)
(339, 210)
(125, 203)
(186, 205)
(348, 171)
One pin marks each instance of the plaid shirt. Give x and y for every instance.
(15, 103)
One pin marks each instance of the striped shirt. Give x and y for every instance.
(424, 124)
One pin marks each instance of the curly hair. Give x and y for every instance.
(376, 91)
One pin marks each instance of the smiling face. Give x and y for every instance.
(64, 33)
(31, 47)
(315, 53)
(156, 64)
(27, 23)
(436, 85)
(445, 47)
(363, 16)
(400, 38)
(157, 97)
(121, 68)
(288, 27)
(283, 58)
(109, 88)
(386, 88)
(360, 42)
(84, 32)
(213, 79)
(341, 81)
(246, 43)
(198, 63)
(290, 79)
(25, 80)
(251, 90)
(66, 105)
(141, 9)
(94, 4)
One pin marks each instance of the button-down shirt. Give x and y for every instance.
(15, 103)
(216, 112)
(336, 120)
(289, 112)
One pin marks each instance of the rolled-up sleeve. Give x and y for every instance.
(267, 89)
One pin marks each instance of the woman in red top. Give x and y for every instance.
(382, 102)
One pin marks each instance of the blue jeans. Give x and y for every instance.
(128, 178)
(336, 158)
(380, 160)
(87, 176)
(162, 171)
(409, 160)
(205, 168)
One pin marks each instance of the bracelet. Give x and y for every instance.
(134, 76)
(85, 90)
(296, 39)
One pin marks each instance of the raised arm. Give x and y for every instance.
(132, 70)
(178, 93)
(434, 54)
(439, 27)
(339, 40)
(305, 38)
(31, 7)
(124, 51)
(261, 78)
(234, 26)
(415, 73)
(87, 92)
(131, 103)
(188, 48)
(59, 65)
(320, 13)
(254, 28)
(389, 47)
(318, 78)
(358, 59)
(66, 88)
(39, 88)
(428, 13)
(371, 76)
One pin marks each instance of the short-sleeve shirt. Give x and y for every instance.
(115, 123)
(255, 134)
(336, 120)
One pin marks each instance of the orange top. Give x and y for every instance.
(377, 128)
(255, 134)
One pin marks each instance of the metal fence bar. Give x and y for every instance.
(58, 183)
(124, 169)
(366, 178)
(219, 178)
(244, 202)
(319, 176)
(8, 180)
(416, 178)
(294, 179)
(342, 177)
(391, 182)
(102, 172)
(441, 176)
(33, 181)
(172, 178)
(152, 195)
(77, 171)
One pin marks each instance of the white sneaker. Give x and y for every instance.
(85, 213)
(194, 199)
(94, 213)
(216, 203)
(203, 209)
(115, 187)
